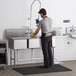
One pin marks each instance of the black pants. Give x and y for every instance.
(46, 48)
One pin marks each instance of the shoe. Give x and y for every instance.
(51, 66)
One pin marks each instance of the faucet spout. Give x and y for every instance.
(72, 30)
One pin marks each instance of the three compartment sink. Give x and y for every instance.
(24, 42)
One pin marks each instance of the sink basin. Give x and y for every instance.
(24, 42)
(73, 35)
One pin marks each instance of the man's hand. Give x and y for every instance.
(33, 35)
(37, 21)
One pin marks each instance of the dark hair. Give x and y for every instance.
(43, 11)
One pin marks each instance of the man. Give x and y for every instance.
(46, 39)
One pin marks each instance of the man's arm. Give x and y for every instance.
(36, 31)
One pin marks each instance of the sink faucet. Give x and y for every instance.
(72, 30)
(28, 30)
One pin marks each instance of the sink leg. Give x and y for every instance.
(14, 58)
(11, 57)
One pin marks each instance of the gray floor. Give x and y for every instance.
(68, 64)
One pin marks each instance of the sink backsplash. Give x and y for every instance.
(19, 32)
(22, 32)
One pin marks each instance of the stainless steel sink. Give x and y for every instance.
(71, 31)
(24, 42)
(73, 35)
(22, 39)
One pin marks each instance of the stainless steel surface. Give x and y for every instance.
(34, 43)
(13, 58)
(24, 42)
(71, 32)
(18, 32)
(72, 36)
(20, 38)
(17, 43)
(17, 39)
(72, 29)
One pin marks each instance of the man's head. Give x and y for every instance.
(42, 12)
